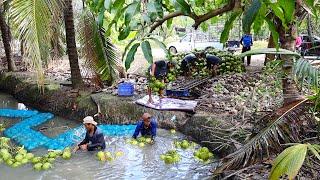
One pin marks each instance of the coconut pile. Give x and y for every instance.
(15, 156)
(240, 94)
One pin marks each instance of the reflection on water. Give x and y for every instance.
(8, 101)
(137, 163)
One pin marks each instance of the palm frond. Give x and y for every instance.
(270, 51)
(100, 54)
(58, 34)
(33, 19)
(306, 73)
(283, 127)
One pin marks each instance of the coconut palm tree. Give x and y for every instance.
(33, 24)
(100, 55)
(71, 45)
(5, 33)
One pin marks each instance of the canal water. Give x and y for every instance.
(136, 163)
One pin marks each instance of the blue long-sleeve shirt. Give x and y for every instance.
(94, 142)
(151, 130)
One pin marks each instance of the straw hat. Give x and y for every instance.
(89, 119)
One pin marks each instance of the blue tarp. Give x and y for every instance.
(23, 134)
(12, 113)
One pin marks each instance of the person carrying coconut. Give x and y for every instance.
(94, 139)
(147, 126)
(156, 74)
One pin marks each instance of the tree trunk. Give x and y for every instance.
(22, 48)
(76, 78)
(309, 24)
(6, 41)
(287, 40)
(270, 57)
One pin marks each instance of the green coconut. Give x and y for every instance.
(66, 155)
(29, 156)
(24, 161)
(119, 153)
(16, 164)
(101, 156)
(37, 166)
(148, 140)
(35, 160)
(18, 157)
(46, 166)
(141, 144)
(52, 154)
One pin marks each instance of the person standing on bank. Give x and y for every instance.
(246, 42)
(94, 139)
(158, 70)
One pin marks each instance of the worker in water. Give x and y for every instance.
(94, 139)
(147, 126)
(213, 63)
(158, 71)
(187, 64)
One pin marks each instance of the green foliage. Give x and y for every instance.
(228, 26)
(146, 49)
(133, 9)
(182, 6)
(270, 51)
(291, 159)
(154, 9)
(249, 15)
(160, 44)
(269, 136)
(274, 32)
(124, 33)
(108, 4)
(259, 20)
(289, 162)
(100, 55)
(305, 72)
(289, 8)
(130, 55)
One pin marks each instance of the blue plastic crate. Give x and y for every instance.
(178, 93)
(125, 89)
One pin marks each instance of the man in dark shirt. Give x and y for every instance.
(212, 63)
(146, 126)
(159, 71)
(94, 139)
(187, 63)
